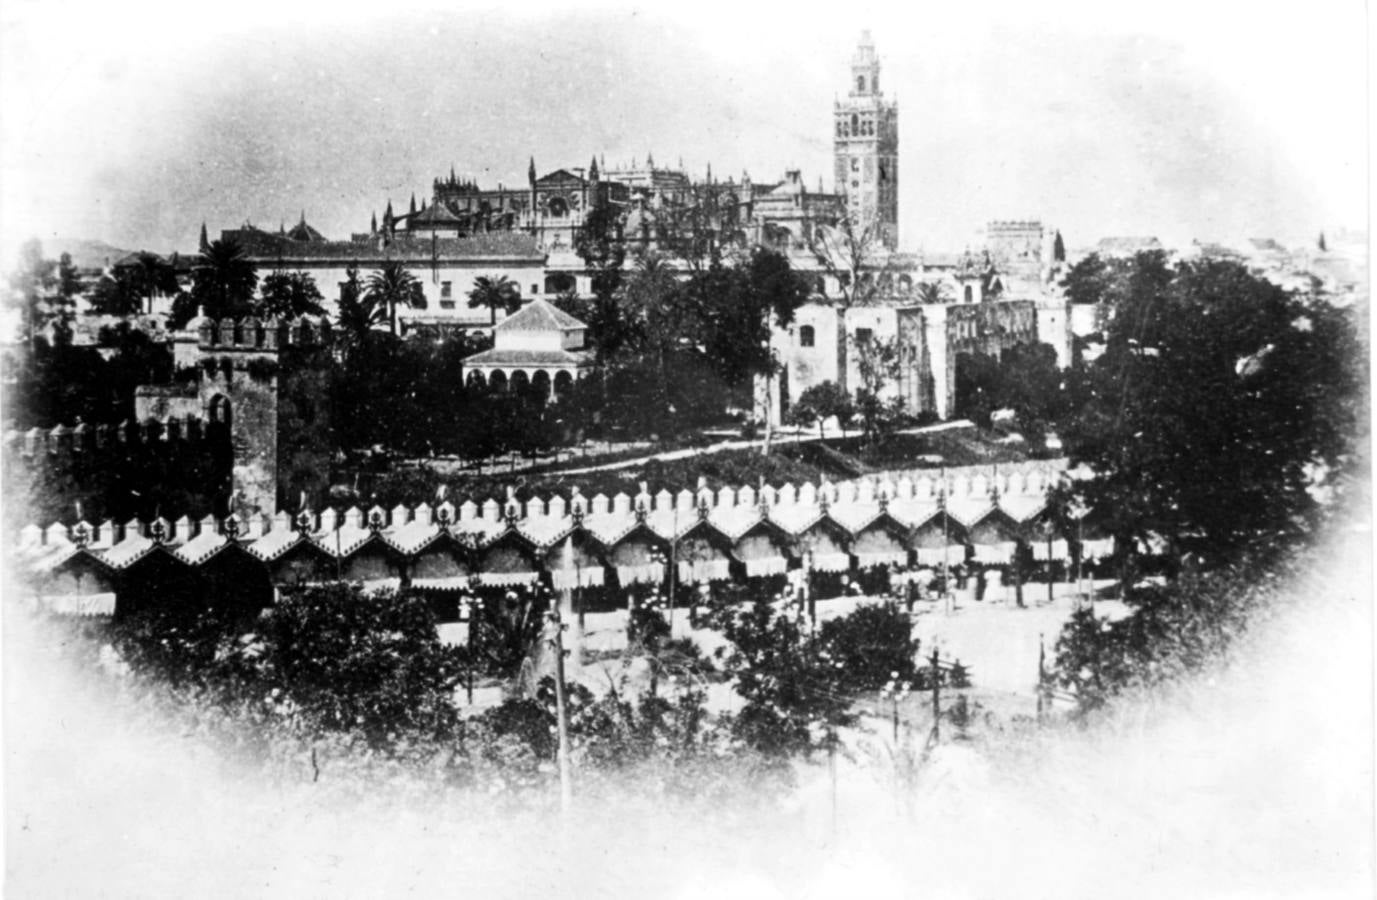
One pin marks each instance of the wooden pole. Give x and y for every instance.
(936, 697)
(566, 789)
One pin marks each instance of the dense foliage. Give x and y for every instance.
(1220, 406)
(1222, 423)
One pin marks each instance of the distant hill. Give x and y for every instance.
(86, 254)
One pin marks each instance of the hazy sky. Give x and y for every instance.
(132, 123)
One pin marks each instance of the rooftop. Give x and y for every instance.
(540, 315)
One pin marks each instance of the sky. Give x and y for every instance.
(133, 123)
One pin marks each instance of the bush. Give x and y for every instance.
(869, 646)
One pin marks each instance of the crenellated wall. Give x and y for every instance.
(981, 514)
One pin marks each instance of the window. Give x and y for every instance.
(860, 84)
(855, 123)
(864, 335)
(855, 163)
(446, 295)
(806, 336)
(535, 289)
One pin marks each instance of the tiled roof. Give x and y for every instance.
(539, 315)
(438, 214)
(853, 509)
(530, 358)
(260, 245)
(305, 233)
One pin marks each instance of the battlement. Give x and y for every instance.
(968, 492)
(981, 515)
(261, 335)
(39, 446)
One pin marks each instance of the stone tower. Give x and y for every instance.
(866, 148)
(263, 384)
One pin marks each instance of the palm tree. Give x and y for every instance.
(224, 281)
(391, 286)
(932, 292)
(357, 317)
(493, 293)
(154, 277)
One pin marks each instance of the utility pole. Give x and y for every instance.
(1042, 675)
(1050, 566)
(566, 788)
(936, 696)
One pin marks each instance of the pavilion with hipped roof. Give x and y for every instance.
(539, 346)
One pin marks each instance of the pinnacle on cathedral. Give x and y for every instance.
(204, 244)
(530, 172)
(593, 169)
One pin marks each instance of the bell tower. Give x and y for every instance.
(866, 149)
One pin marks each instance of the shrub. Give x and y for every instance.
(869, 645)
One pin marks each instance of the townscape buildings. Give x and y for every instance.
(845, 240)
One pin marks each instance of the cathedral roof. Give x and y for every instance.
(303, 232)
(438, 214)
(260, 245)
(559, 176)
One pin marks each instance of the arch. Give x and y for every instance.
(855, 123)
(558, 207)
(220, 412)
(476, 379)
(540, 383)
(860, 84)
(498, 380)
(520, 381)
(966, 292)
(560, 282)
(563, 382)
(905, 283)
(806, 336)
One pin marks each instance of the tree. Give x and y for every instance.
(117, 295)
(821, 402)
(390, 287)
(932, 292)
(69, 286)
(287, 295)
(788, 685)
(350, 659)
(223, 285)
(852, 251)
(599, 244)
(31, 287)
(495, 293)
(873, 644)
(877, 364)
(357, 318)
(1031, 384)
(1219, 407)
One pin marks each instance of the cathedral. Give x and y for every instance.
(844, 240)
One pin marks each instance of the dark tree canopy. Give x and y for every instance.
(1219, 403)
(494, 294)
(287, 295)
(224, 284)
(391, 287)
